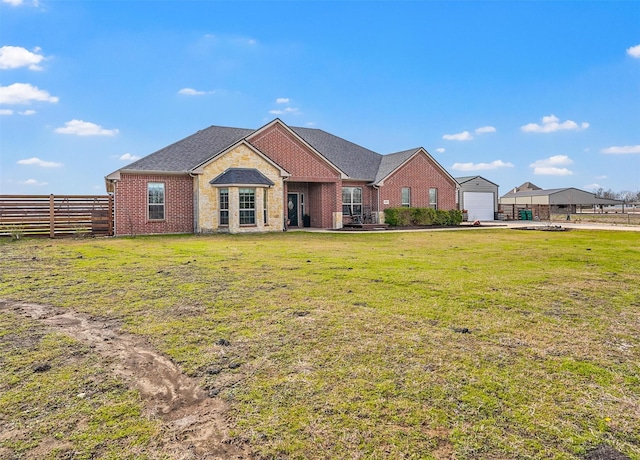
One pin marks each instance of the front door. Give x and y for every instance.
(292, 209)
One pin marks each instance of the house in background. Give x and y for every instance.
(224, 179)
(479, 197)
(543, 203)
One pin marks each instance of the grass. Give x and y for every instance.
(463, 344)
(73, 409)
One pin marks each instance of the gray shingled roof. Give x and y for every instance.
(187, 154)
(242, 176)
(355, 161)
(392, 161)
(191, 151)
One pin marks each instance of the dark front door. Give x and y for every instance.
(292, 207)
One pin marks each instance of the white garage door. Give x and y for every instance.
(479, 205)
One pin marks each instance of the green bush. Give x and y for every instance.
(455, 217)
(405, 217)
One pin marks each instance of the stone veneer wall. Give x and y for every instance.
(207, 195)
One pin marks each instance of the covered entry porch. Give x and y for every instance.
(313, 204)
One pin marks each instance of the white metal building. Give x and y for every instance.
(479, 197)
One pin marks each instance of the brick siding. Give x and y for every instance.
(131, 210)
(420, 174)
(305, 166)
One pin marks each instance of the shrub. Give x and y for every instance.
(404, 217)
(423, 216)
(455, 217)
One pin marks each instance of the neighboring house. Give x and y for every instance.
(479, 197)
(550, 201)
(235, 180)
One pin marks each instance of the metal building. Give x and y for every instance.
(479, 197)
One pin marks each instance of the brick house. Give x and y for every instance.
(223, 179)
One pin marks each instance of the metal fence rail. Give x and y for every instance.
(52, 215)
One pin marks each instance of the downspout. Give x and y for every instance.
(196, 203)
(285, 190)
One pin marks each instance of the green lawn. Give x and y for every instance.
(451, 344)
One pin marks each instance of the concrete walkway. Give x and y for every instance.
(496, 224)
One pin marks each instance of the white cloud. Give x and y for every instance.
(6, 112)
(551, 123)
(24, 93)
(463, 136)
(621, 150)
(485, 129)
(193, 92)
(84, 128)
(594, 186)
(440, 150)
(549, 166)
(634, 51)
(601, 177)
(129, 157)
(551, 171)
(282, 100)
(34, 183)
(288, 110)
(13, 57)
(20, 2)
(38, 162)
(28, 112)
(481, 166)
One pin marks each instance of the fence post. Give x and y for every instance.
(52, 219)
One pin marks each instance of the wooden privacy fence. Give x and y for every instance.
(53, 216)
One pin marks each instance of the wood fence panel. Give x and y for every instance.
(56, 215)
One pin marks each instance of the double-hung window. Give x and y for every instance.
(406, 197)
(223, 194)
(433, 198)
(156, 200)
(352, 201)
(247, 206)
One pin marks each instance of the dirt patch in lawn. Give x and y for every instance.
(194, 423)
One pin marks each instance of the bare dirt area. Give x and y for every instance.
(194, 423)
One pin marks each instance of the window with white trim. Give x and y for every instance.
(352, 201)
(223, 194)
(406, 197)
(247, 206)
(155, 200)
(433, 198)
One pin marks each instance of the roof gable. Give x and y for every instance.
(282, 131)
(464, 179)
(394, 161)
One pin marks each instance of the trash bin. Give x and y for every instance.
(306, 220)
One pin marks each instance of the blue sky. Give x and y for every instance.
(514, 91)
